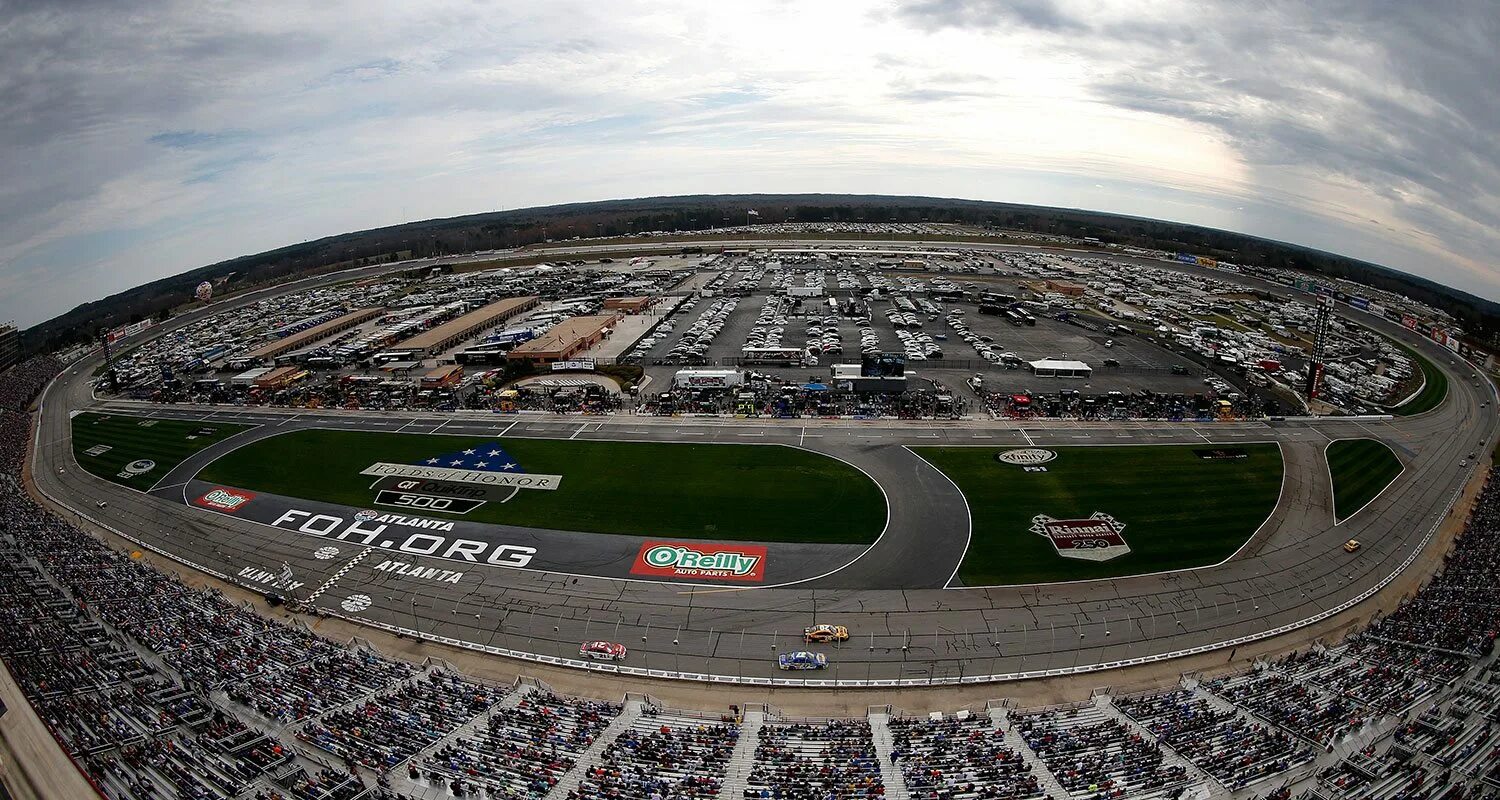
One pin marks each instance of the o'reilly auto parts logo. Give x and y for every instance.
(1025, 456)
(693, 561)
(221, 499)
(1098, 537)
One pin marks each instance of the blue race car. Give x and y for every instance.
(802, 660)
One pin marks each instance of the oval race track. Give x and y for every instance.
(912, 629)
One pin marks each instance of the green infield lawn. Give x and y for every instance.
(1434, 386)
(1361, 469)
(164, 441)
(1179, 510)
(688, 491)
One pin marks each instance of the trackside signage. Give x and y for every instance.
(696, 561)
(221, 499)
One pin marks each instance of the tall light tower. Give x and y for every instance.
(1320, 347)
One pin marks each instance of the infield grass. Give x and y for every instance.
(1434, 386)
(688, 491)
(1179, 510)
(1361, 469)
(165, 441)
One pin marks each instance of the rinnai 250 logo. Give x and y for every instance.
(701, 561)
(222, 499)
(1099, 537)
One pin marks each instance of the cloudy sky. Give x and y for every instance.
(142, 138)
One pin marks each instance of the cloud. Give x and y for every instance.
(1393, 101)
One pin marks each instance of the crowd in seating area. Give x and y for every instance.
(24, 381)
(1378, 686)
(1456, 612)
(1094, 755)
(1220, 741)
(662, 756)
(384, 731)
(828, 760)
(1291, 705)
(521, 751)
(958, 758)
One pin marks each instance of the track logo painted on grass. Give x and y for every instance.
(701, 561)
(222, 499)
(1025, 456)
(1098, 537)
(456, 482)
(140, 466)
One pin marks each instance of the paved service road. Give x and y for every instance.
(906, 625)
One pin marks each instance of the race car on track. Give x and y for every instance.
(825, 633)
(802, 660)
(602, 651)
(1351, 545)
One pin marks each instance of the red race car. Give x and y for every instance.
(602, 651)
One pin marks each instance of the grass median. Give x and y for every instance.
(1181, 506)
(1360, 470)
(688, 491)
(116, 447)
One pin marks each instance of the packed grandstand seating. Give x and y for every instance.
(158, 690)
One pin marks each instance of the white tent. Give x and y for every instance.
(1058, 368)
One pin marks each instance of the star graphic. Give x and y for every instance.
(458, 463)
(508, 466)
(494, 453)
(480, 464)
(468, 452)
(432, 461)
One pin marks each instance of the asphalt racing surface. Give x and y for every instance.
(908, 622)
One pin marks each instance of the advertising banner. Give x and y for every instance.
(699, 561)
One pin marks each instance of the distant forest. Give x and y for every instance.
(508, 229)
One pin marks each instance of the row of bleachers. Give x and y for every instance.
(1091, 752)
(384, 731)
(958, 758)
(329, 677)
(1293, 706)
(522, 751)
(827, 760)
(662, 755)
(1231, 749)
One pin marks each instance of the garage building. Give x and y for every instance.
(628, 305)
(565, 340)
(271, 350)
(431, 342)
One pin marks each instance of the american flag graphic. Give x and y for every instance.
(488, 457)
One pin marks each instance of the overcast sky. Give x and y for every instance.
(141, 139)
